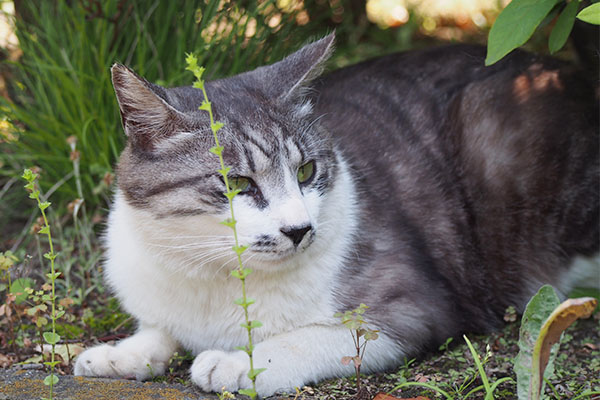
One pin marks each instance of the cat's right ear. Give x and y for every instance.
(146, 115)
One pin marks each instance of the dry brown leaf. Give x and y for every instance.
(561, 318)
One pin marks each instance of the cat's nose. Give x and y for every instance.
(296, 233)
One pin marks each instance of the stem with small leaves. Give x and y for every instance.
(240, 272)
(52, 338)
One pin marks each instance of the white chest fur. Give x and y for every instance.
(198, 311)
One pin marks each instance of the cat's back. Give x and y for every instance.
(494, 171)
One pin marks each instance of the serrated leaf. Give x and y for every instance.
(34, 195)
(44, 205)
(232, 194)
(514, 26)
(590, 14)
(216, 126)
(205, 105)
(216, 150)
(255, 372)
(199, 84)
(537, 311)
(51, 380)
(51, 337)
(51, 276)
(562, 28)
(44, 230)
(239, 250)
(224, 171)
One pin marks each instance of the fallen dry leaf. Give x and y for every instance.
(561, 318)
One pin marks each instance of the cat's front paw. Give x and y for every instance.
(113, 362)
(215, 371)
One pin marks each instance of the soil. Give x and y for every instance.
(577, 369)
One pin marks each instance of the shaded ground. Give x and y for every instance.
(577, 370)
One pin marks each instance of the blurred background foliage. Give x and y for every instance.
(58, 113)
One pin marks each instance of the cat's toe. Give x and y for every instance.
(215, 371)
(111, 362)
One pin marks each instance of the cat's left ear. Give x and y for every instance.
(286, 79)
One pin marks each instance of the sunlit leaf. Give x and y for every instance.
(515, 25)
(590, 14)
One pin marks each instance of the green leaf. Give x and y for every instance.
(216, 126)
(248, 392)
(216, 150)
(51, 380)
(51, 337)
(34, 195)
(515, 25)
(224, 171)
(590, 14)
(241, 274)
(44, 205)
(239, 250)
(28, 175)
(232, 194)
(52, 276)
(229, 222)
(537, 311)
(20, 286)
(205, 105)
(44, 231)
(252, 374)
(564, 25)
(50, 256)
(240, 302)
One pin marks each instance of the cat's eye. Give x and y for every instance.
(239, 183)
(306, 172)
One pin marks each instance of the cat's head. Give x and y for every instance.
(279, 157)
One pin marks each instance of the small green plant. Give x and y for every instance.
(240, 272)
(354, 321)
(467, 382)
(52, 338)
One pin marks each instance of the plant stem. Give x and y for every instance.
(53, 299)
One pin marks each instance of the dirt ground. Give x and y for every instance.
(577, 369)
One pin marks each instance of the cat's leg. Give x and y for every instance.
(292, 359)
(141, 356)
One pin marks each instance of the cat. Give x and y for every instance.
(433, 189)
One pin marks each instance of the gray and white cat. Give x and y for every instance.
(433, 189)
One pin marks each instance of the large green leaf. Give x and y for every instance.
(590, 14)
(538, 309)
(515, 25)
(562, 29)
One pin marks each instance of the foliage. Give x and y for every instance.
(241, 272)
(543, 322)
(60, 87)
(518, 21)
(52, 338)
(354, 321)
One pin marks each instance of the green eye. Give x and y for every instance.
(239, 183)
(306, 172)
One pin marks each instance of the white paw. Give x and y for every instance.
(216, 370)
(115, 362)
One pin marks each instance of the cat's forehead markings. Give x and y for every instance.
(294, 151)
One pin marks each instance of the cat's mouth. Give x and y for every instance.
(274, 250)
